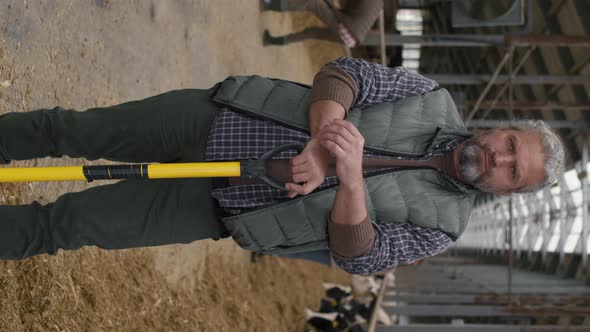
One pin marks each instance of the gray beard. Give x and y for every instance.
(470, 160)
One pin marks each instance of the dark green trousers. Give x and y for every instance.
(171, 127)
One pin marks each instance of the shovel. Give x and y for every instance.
(258, 168)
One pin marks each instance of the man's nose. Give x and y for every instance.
(500, 159)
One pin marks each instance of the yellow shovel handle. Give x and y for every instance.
(106, 172)
(194, 170)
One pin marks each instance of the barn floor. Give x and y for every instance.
(80, 54)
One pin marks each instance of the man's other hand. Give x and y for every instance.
(308, 168)
(346, 36)
(346, 143)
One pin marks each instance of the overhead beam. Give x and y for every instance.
(508, 55)
(475, 40)
(509, 86)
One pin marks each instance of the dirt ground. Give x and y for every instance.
(84, 53)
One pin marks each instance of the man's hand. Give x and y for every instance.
(346, 36)
(309, 167)
(346, 143)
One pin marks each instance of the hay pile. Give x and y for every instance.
(98, 290)
(94, 290)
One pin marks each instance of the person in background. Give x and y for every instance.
(348, 23)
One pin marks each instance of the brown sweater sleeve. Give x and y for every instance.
(359, 15)
(350, 241)
(333, 83)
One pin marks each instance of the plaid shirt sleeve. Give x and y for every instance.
(397, 244)
(377, 83)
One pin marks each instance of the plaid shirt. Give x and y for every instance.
(235, 136)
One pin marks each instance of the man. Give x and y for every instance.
(349, 24)
(370, 219)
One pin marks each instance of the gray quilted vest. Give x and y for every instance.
(412, 126)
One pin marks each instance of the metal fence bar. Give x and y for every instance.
(562, 219)
(478, 79)
(452, 310)
(382, 37)
(551, 123)
(585, 196)
(533, 222)
(478, 299)
(553, 221)
(534, 106)
(515, 290)
(510, 243)
(373, 320)
(479, 328)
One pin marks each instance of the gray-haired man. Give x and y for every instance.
(370, 219)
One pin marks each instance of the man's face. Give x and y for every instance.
(502, 160)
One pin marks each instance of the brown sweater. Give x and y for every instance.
(346, 241)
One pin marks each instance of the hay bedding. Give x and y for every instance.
(98, 290)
